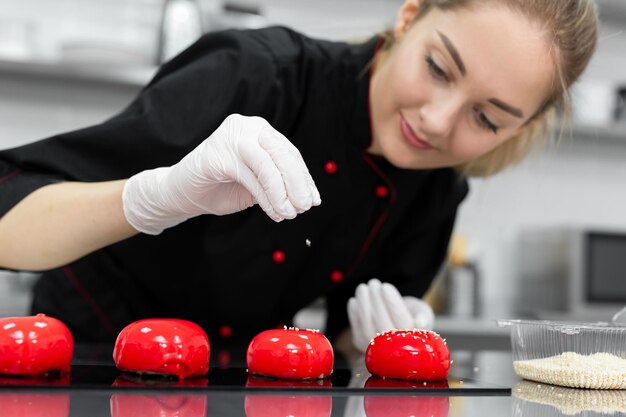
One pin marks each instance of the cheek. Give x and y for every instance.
(469, 144)
(412, 88)
(407, 84)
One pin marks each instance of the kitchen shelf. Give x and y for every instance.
(613, 132)
(123, 75)
(472, 333)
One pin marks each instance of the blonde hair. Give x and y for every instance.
(573, 28)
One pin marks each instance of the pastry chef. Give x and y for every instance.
(261, 169)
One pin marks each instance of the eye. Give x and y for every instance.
(485, 123)
(435, 69)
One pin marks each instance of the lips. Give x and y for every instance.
(411, 138)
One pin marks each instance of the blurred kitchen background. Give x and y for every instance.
(544, 239)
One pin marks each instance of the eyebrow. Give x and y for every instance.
(453, 52)
(507, 107)
(459, 62)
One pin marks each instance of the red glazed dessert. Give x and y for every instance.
(408, 354)
(34, 345)
(30, 404)
(290, 354)
(163, 405)
(392, 406)
(282, 405)
(388, 406)
(163, 347)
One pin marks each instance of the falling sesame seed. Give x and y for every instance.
(308, 243)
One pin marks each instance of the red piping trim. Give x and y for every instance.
(392, 199)
(104, 320)
(381, 219)
(9, 175)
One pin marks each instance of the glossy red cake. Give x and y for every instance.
(290, 353)
(163, 347)
(408, 354)
(34, 345)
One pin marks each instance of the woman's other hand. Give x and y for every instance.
(244, 162)
(378, 307)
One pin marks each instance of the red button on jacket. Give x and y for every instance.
(278, 256)
(382, 191)
(330, 167)
(336, 276)
(226, 331)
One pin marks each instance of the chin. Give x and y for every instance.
(402, 162)
(400, 157)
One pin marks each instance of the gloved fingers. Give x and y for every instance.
(358, 338)
(422, 313)
(291, 166)
(315, 194)
(317, 199)
(250, 181)
(268, 175)
(380, 315)
(364, 310)
(397, 308)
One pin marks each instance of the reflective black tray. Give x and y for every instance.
(235, 379)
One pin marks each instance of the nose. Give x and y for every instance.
(439, 117)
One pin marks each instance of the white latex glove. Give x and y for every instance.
(245, 161)
(378, 307)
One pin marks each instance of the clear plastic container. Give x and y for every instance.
(578, 355)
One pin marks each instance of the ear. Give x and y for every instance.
(406, 15)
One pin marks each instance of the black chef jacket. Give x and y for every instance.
(240, 274)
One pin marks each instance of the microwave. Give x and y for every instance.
(573, 273)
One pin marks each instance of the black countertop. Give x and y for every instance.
(482, 383)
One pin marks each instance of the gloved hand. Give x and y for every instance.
(378, 307)
(245, 161)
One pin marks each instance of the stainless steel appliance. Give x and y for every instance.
(575, 273)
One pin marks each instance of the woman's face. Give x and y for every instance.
(456, 84)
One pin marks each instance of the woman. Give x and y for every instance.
(385, 131)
